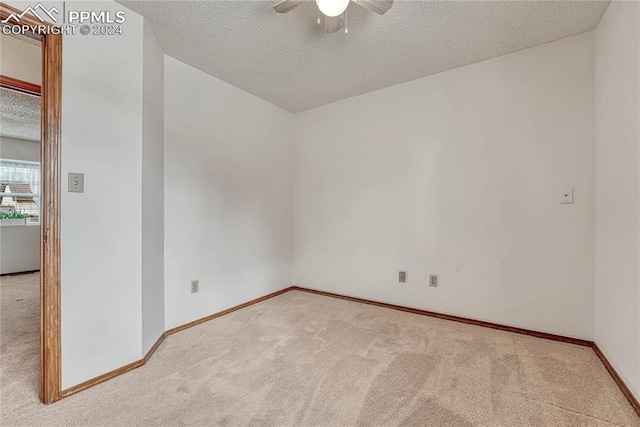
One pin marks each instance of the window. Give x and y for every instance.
(20, 188)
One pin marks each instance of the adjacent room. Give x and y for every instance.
(20, 79)
(320, 213)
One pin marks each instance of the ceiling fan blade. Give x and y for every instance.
(378, 6)
(333, 23)
(286, 5)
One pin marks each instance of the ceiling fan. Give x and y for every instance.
(335, 11)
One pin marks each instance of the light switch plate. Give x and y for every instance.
(76, 182)
(566, 195)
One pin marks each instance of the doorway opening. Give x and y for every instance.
(34, 188)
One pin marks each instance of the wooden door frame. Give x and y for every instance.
(50, 164)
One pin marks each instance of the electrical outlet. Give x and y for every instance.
(433, 280)
(195, 286)
(402, 277)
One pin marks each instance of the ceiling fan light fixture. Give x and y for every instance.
(332, 7)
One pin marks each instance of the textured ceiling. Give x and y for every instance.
(19, 115)
(289, 60)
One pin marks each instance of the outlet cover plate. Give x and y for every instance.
(402, 277)
(566, 195)
(195, 286)
(433, 280)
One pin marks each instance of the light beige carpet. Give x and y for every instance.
(19, 340)
(302, 360)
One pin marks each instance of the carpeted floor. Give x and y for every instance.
(19, 341)
(301, 359)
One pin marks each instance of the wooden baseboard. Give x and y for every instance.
(154, 347)
(131, 366)
(625, 390)
(227, 311)
(623, 387)
(102, 378)
(116, 372)
(522, 331)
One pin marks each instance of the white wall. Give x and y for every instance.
(152, 192)
(20, 60)
(617, 202)
(457, 174)
(19, 149)
(20, 245)
(19, 248)
(228, 195)
(101, 228)
(113, 132)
